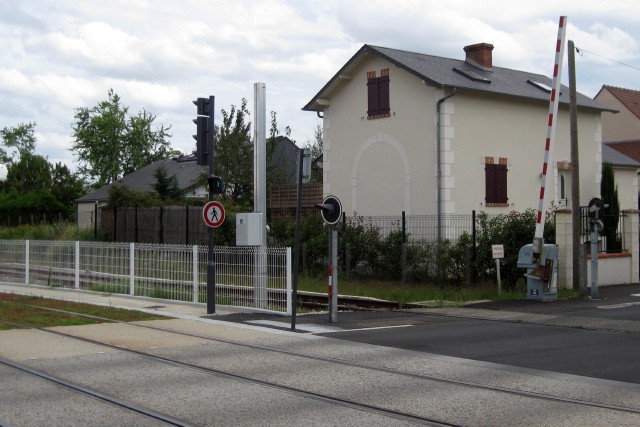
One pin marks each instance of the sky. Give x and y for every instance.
(159, 55)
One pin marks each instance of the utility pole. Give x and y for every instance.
(575, 172)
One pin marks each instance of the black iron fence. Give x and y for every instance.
(419, 228)
(611, 239)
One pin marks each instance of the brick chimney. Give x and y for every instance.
(479, 55)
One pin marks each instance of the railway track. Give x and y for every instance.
(536, 398)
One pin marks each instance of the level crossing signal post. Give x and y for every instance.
(331, 210)
(204, 156)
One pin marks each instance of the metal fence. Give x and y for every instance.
(174, 272)
(418, 228)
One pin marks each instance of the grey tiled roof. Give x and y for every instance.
(616, 158)
(185, 169)
(439, 72)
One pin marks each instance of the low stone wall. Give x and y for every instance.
(613, 269)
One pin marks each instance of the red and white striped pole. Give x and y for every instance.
(551, 133)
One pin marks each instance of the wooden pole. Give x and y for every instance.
(575, 170)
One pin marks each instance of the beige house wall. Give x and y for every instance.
(619, 126)
(381, 166)
(627, 183)
(491, 127)
(86, 215)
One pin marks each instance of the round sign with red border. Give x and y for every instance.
(213, 214)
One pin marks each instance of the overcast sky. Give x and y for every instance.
(59, 55)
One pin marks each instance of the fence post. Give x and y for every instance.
(348, 259)
(304, 258)
(131, 268)
(289, 283)
(404, 258)
(161, 225)
(467, 264)
(474, 255)
(186, 234)
(135, 213)
(195, 273)
(76, 284)
(404, 228)
(26, 262)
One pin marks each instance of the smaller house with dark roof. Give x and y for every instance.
(185, 168)
(406, 131)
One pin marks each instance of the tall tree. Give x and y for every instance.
(315, 145)
(110, 144)
(26, 165)
(66, 187)
(234, 153)
(21, 138)
(31, 173)
(166, 186)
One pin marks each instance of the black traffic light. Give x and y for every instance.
(202, 133)
(216, 185)
(596, 208)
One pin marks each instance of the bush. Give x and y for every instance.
(513, 230)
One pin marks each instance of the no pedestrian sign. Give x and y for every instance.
(213, 214)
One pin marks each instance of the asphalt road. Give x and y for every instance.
(605, 355)
(593, 338)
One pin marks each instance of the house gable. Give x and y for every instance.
(625, 124)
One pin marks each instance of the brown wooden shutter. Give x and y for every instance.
(501, 184)
(372, 88)
(383, 95)
(490, 183)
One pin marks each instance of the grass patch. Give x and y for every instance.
(25, 309)
(403, 293)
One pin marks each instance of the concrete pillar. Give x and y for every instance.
(631, 240)
(565, 245)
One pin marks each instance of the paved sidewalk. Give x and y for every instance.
(618, 309)
(178, 309)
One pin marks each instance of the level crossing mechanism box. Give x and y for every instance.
(249, 229)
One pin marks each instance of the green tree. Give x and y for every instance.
(21, 138)
(166, 186)
(109, 143)
(33, 185)
(609, 194)
(66, 187)
(315, 145)
(31, 173)
(234, 154)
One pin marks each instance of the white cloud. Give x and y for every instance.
(100, 44)
(159, 55)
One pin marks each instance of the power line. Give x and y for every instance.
(580, 52)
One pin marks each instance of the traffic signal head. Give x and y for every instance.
(203, 105)
(201, 140)
(216, 185)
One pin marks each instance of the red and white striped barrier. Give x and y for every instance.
(551, 127)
